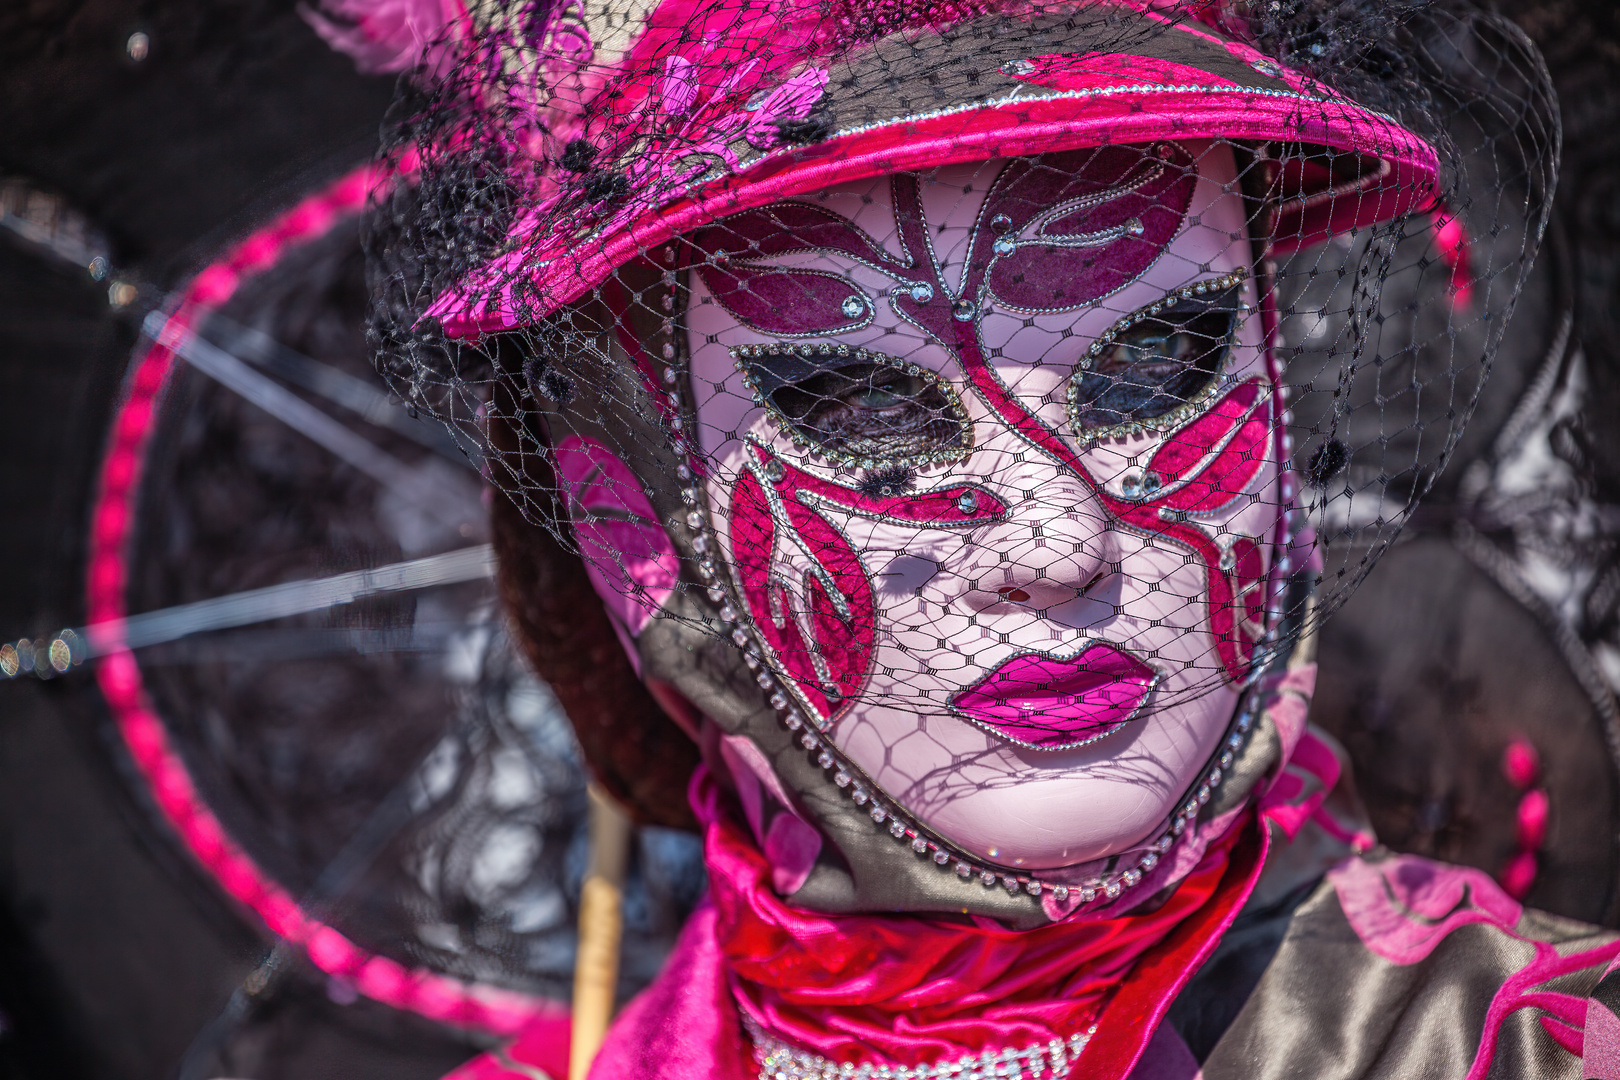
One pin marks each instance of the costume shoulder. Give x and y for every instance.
(1399, 966)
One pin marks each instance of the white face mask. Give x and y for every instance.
(1012, 541)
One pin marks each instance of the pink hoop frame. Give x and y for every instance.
(436, 996)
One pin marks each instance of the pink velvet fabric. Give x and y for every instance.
(685, 1024)
(540, 1053)
(912, 990)
(687, 1027)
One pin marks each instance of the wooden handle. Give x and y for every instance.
(601, 924)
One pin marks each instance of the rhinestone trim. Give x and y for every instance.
(1041, 1061)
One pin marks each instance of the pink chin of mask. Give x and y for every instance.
(1040, 688)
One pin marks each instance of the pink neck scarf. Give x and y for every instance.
(914, 990)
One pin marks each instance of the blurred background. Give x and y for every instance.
(389, 767)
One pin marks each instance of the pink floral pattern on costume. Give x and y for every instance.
(1404, 905)
(710, 128)
(627, 554)
(688, 136)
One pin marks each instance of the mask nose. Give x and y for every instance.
(1055, 542)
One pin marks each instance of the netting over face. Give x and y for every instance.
(983, 580)
(910, 383)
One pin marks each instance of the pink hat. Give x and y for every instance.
(720, 107)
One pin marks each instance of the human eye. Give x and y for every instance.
(1157, 366)
(856, 406)
(878, 397)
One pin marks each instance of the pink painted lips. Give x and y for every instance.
(1044, 703)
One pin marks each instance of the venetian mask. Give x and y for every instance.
(991, 457)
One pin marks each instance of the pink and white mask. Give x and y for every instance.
(991, 458)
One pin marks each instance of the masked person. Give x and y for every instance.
(890, 413)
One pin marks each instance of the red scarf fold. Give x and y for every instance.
(900, 989)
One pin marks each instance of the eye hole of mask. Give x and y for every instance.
(863, 413)
(1154, 369)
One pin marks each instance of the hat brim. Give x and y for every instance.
(1344, 166)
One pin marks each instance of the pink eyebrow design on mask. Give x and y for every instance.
(788, 302)
(1053, 234)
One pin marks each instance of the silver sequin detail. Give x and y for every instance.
(1041, 1061)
